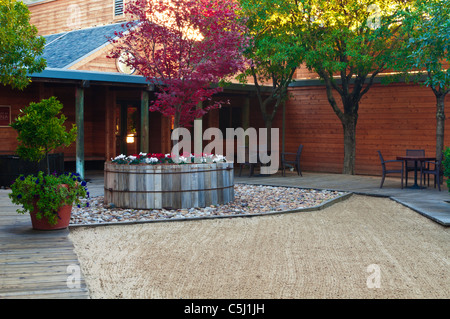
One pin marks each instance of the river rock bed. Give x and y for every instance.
(249, 199)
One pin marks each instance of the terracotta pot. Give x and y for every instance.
(64, 214)
(63, 222)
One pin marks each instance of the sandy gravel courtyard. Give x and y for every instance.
(363, 247)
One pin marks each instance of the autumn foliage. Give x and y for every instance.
(184, 47)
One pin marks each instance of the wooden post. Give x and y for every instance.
(165, 134)
(110, 129)
(198, 136)
(108, 125)
(144, 140)
(283, 128)
(79, 120)
(246, 117)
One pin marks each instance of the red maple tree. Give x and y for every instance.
(184, 47)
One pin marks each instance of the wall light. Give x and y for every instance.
(130, 139)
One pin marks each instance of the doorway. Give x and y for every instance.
(127, 127)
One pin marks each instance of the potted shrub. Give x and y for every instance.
(47, 197)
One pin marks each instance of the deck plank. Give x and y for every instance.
(34, 264)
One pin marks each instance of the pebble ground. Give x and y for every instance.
(249, 199)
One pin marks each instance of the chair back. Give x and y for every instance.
(414, 153)
(299, 152)
(438, 162)
(383, 164)
(381, 158)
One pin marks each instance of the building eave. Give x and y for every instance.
(93, 77)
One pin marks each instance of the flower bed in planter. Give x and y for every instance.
(155, 181)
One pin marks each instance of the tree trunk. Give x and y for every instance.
(176, 120)
(269, 136)
(348, 117)
(349, 125)
(440, 125)
(175, 147)
(47, 162)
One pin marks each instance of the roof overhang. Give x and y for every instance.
(92, 77)
(81, 77)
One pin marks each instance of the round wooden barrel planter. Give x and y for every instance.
(170, 186)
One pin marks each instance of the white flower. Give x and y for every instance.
(119, 157)
(182, 159)
(150, 160)
(218, 158)
(131, 157)
(143, 154)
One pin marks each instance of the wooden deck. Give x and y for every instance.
(36, 264)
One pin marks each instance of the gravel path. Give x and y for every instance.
(362, 247)
(249, 199)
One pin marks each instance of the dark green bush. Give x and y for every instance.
(446, 164)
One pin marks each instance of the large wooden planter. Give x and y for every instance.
(168, 185)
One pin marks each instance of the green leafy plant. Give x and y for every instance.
(347, 43)
(20, 46)
(423, 55)
(40, 130)
(446, 165)
(47, 193)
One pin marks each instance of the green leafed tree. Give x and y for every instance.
(274, 54)
(20, 47)
(40, 130)
(425, 54)
(348, 43)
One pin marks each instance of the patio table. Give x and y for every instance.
(416, 159)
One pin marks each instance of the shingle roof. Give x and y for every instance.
(65, 49)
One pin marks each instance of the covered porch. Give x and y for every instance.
(111, 111)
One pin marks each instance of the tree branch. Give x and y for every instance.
(329, 86)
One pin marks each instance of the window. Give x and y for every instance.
(5, 115)
(118, 7)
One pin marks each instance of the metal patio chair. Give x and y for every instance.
(390, 171)
(431, 168)
(410, 165)
(291, 160)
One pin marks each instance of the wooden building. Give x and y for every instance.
(110, 102)
(111, 111)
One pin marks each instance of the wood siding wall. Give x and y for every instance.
(66, 15)
(97, 61)
(391, 119)
(94, 115)
(16, 99)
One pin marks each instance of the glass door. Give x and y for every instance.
(127, 128)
